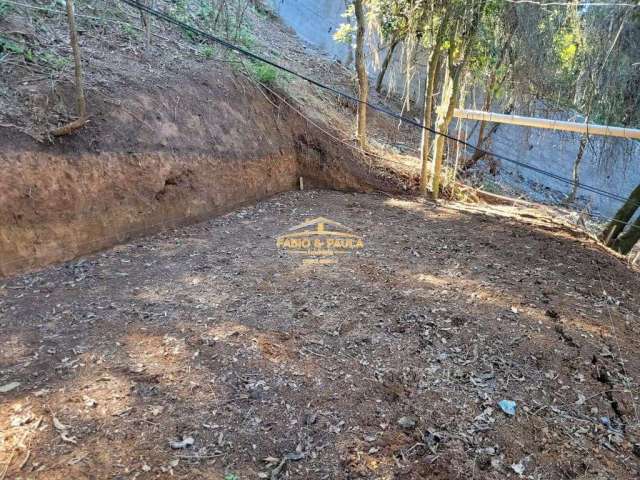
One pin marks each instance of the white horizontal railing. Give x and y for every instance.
(588, 128)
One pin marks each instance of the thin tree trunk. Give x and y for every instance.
(385, 64)
(427, 114)
(480, 152)
(488, 100)
(221, 8)
(363, 81)
(146, 24)
(611, 232)
(241, 10)
(450, 96)
(576, 170)
(463, 95)
(80, 99)
(432, 78)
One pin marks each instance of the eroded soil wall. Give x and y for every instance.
(60, 208)
(168, 155)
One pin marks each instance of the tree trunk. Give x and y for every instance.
(576, 170)
(611, 232)
(385, 64)
(625, 242)
(80, 100)
(450, 96)
(363, 81)
(146, 24)
(488, 100)
(427, 114)
(456, 166)
(480, 153)
(432, 78)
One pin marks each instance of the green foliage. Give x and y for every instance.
(492, 187)
(45, 58)
(261, 11)
(4, 9)
(566, 56)
(56, 62)
(399, 18)
(10, 47)
(129, 31)
(349, 11)
(180, 10)
(207, 51)
(224, 19)
(28, 55)
(245, 38)
(231, 476)
(263, 73)
(567, 46)
(205, 10)
(344, 33)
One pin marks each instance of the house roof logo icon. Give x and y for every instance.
(318, 239)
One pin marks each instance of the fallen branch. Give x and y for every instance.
(69, 127)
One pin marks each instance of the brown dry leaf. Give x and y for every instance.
(156, 410)
(59, 425)
(68, 439)
(9, 386)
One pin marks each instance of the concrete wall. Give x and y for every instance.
(609, 164)
(315, 21)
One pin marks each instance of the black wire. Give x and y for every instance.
(247, 53)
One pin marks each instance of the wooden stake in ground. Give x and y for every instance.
(363, 80)
(80, 100)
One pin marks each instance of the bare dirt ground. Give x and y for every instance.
(389, 364)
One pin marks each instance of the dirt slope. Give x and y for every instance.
(210, 332)
(161, 153)
(174, 136)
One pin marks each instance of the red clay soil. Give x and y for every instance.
(389, 364)
(170, 151)
(172, 138)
